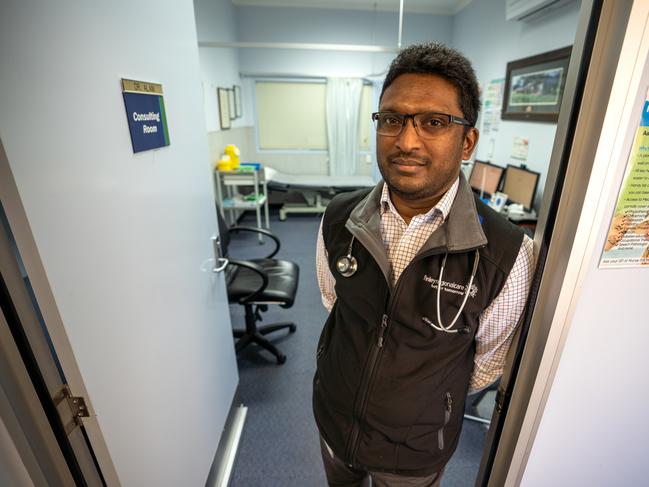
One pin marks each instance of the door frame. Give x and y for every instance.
(25, 420)
(90, 434)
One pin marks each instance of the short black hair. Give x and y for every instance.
(439, 59)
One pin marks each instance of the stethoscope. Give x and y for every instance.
(440, 326)
(347, 265)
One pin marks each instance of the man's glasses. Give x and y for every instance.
(428, 125)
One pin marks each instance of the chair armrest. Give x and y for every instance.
(253, 267)
(261, 231)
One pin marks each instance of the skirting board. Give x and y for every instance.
(226, 453)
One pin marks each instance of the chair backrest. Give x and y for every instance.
(224, 232)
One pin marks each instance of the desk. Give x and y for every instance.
(233, 201)
(526, 219)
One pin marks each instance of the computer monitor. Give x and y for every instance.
(485, 177)
(520, 186)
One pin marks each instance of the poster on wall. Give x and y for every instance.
(493, 100)
(520, 148)
(627, 240)
(145, 114)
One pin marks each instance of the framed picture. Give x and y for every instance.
(534, 86)
(237, 101)
(233, 114)
(224, 107)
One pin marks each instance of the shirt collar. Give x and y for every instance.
(443, 205)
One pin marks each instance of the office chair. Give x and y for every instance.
(473, 415)
(256, 283)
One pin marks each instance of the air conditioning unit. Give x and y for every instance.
(531, 9)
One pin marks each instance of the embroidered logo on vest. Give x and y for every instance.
(451, 287)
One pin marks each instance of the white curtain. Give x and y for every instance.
(343, 104)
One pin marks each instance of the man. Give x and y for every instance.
(424, 283)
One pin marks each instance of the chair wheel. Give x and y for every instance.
(281, 359)
(292, 328)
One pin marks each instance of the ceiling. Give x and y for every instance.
(438, 7)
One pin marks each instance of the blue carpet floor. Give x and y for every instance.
(279, 445)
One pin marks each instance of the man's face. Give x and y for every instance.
(416, 168)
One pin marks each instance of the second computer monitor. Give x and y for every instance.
(520, 185)
(485, 177)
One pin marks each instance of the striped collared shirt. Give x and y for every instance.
(402, 242)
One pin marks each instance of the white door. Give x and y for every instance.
(118, 245)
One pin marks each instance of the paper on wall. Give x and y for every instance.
(492, 105)
(627, 240)
(520, 148)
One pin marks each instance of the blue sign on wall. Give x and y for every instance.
(145, 113)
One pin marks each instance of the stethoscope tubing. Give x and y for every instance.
(467, 291)
(347, 267)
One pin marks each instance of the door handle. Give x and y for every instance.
(223, 264)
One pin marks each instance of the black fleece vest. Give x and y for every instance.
(389, 389)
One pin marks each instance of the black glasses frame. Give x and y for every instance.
(451, 118)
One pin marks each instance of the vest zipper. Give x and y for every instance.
(359, 411)
(384, 326)
(447, 417)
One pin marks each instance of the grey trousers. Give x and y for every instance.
(341, 475)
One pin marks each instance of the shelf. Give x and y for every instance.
(233, 178)
(231, 201)
(239, 203)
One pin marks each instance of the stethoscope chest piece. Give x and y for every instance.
(347, 265)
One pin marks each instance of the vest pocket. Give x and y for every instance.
(448, 408)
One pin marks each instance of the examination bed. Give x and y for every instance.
(316, 190)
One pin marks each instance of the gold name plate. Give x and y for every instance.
(133, 86)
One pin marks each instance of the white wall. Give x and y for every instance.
(481, 32)
(594, 430)
(124, 238)
(215, 22)
(329, 26)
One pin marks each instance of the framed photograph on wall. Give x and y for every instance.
(237, 101)
(534, 86)
(233, 114)
(224, 107)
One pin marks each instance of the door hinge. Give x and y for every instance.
(77, 406)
